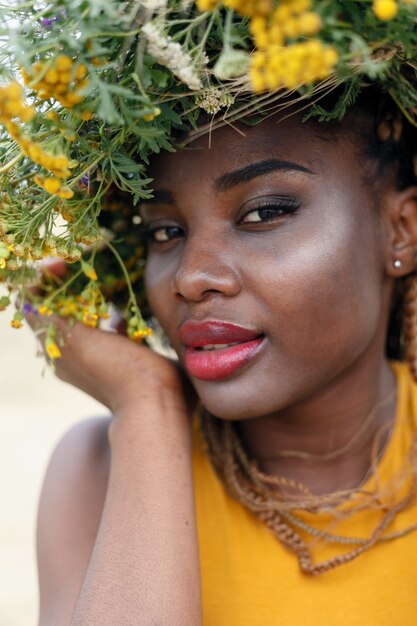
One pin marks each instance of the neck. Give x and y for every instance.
(326, 442)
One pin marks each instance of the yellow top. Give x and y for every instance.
(249, 578)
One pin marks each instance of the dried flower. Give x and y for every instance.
(171, 54)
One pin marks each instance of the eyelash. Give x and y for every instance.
(279, 208)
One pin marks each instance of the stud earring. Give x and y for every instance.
(397, 264)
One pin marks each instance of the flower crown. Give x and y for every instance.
(91, 89)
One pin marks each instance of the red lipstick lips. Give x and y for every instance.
(216, 350)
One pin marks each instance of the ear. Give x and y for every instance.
(400, 209)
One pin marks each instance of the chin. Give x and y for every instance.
(231, 401)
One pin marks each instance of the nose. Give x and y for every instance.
(206, 267)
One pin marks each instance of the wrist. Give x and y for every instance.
(149, 416)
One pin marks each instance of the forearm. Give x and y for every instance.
(144, 567)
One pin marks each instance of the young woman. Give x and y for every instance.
(269, 477)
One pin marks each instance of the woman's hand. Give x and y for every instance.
(146, 538)
(108, 366)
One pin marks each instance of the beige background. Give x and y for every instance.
(35, 411)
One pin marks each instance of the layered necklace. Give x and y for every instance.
(278, 501)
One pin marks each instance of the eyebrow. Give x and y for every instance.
(231, 179)
(253, 170)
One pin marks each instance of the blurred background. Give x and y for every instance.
(35, 411)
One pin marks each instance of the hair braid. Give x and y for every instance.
(410, 322)
(273, 507)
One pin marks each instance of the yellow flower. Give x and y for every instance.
(249, 7)
(65, 193)
(68, 215)
(385, 10)
(13, 91)
(64, 79)
(52, 185)
(291, 27)
(138, 335)
(52, 350)
(59, 81)
(207, 5)
(61, 162)
(63, 63)
(71, 100)
(257, 79)
(17, 249)
(2, 263)
(292, 65)
(51, 115)
(13, 106)
(309, 23)
(89, 319)
(51, 77)
(57, 165)
(151, 116)
(27, 114)
(67, 307)
(44, 310)
(16, 323)
(89, 270)
(81, 71)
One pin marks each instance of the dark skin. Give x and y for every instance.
(313, 272)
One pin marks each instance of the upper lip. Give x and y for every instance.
(198, 334)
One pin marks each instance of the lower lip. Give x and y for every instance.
(220, 363)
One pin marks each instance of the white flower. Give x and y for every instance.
(185, 4)
(154, 5)
(170, 54)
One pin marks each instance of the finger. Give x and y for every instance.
(51, 332)
(53, 267)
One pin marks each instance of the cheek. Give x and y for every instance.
(158, 278)
(320, 306)
(327, 291)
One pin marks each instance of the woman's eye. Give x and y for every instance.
(268, 213)
(162, 234)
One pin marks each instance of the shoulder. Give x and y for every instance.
(70, 508)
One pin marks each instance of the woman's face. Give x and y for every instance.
(268, 240)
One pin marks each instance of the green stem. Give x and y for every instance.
(126, 33)
(119, 259)
(228, 31)
(22, 299)
(403, 110)
(63, 287)
(11, 163)
(96, 198)
(202, 44)
(88, 167)
(191, 24)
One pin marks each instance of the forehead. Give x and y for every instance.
(311, 146)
